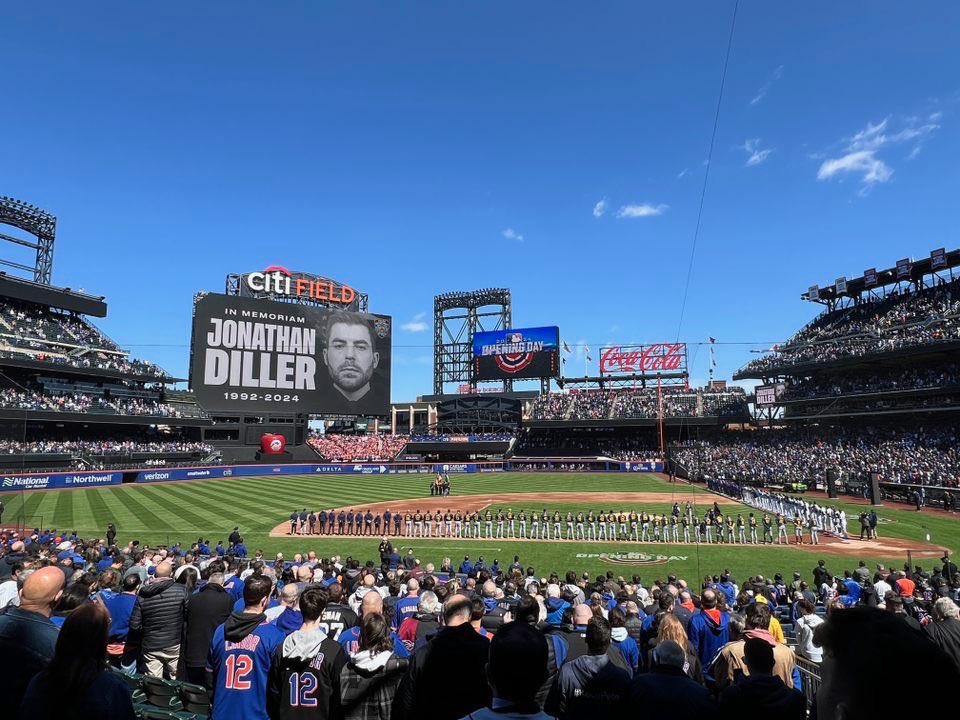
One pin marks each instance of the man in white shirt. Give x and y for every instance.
(10, 588)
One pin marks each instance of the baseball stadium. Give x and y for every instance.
(282, 488)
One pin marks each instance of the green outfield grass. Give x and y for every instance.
(166, 512)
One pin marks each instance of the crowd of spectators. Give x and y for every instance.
(397, 638)
(100, 447)
(45, 335)
(899, 320)
(545, 443)
(625, 403)
(787, 456)
(461, 437)
(21, 398)
(374, 447)
(900, 379)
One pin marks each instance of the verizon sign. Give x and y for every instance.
(659, 357)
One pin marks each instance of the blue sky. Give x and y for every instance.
(553, 148)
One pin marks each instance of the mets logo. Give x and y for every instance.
(513, 362)
(382, 327)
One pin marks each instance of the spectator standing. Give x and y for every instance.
(122, 647)
(730, 662)
(945, 628)
(762, 693)
(27, 636)
(668, 690)
(158, 616)
(206, 610)
(78, 683)
(305, 670)
(709, 631)
(590, 686)
(240, 655)
(807, 623)
(516, 671)
(369, 680)
(446, 679)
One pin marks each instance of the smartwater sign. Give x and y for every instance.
(58, 481)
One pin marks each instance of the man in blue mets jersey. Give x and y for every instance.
(240, 656)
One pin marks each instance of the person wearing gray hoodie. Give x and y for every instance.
(305, 671)
(592, 686)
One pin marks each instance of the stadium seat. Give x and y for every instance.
(195, 699)
(135, 683)
(145, 712)
(162, 693)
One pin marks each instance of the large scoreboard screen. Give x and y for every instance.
(516, 353)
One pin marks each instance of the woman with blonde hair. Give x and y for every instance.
(670, 628)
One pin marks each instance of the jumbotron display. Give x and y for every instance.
(516, 353)
(257, 355)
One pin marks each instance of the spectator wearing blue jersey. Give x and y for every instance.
(466, 566)
(621, 640)
(349, 639)
(220, 549)
(407, 605)
(240, 655)
(240, 549)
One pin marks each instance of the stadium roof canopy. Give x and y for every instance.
(914, 272)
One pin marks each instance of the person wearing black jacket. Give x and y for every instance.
(315, 659)
(447, 677)
(667, 689)
(111, 534)
(158, 616)
(205, 611)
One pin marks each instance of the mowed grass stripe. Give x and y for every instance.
(223, 509)
(138, 510)
(180, 507)
(98, 507)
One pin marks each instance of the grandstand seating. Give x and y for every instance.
(898, 321)
(647, 403)
(59, 338)
(357, 448)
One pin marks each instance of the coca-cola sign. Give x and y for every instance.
(659, 357)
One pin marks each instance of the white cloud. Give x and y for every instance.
(642, 210)
(511, 234)
(862, 162)
(765, 88)
(683, 173)
(600, 208)
(415, 325)
(861, 151)
(755, 154)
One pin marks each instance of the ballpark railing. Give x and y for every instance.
(809, 678)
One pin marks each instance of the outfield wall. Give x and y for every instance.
(65, 480)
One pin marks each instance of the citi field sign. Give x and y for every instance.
(279, 281)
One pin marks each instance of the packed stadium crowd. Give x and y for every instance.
(889, 381)
(75, 402)
(398, 638)
(911, 455)
(99, 447)
(44, 335)
(899, 320)
(374, 447)
(624, 403)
